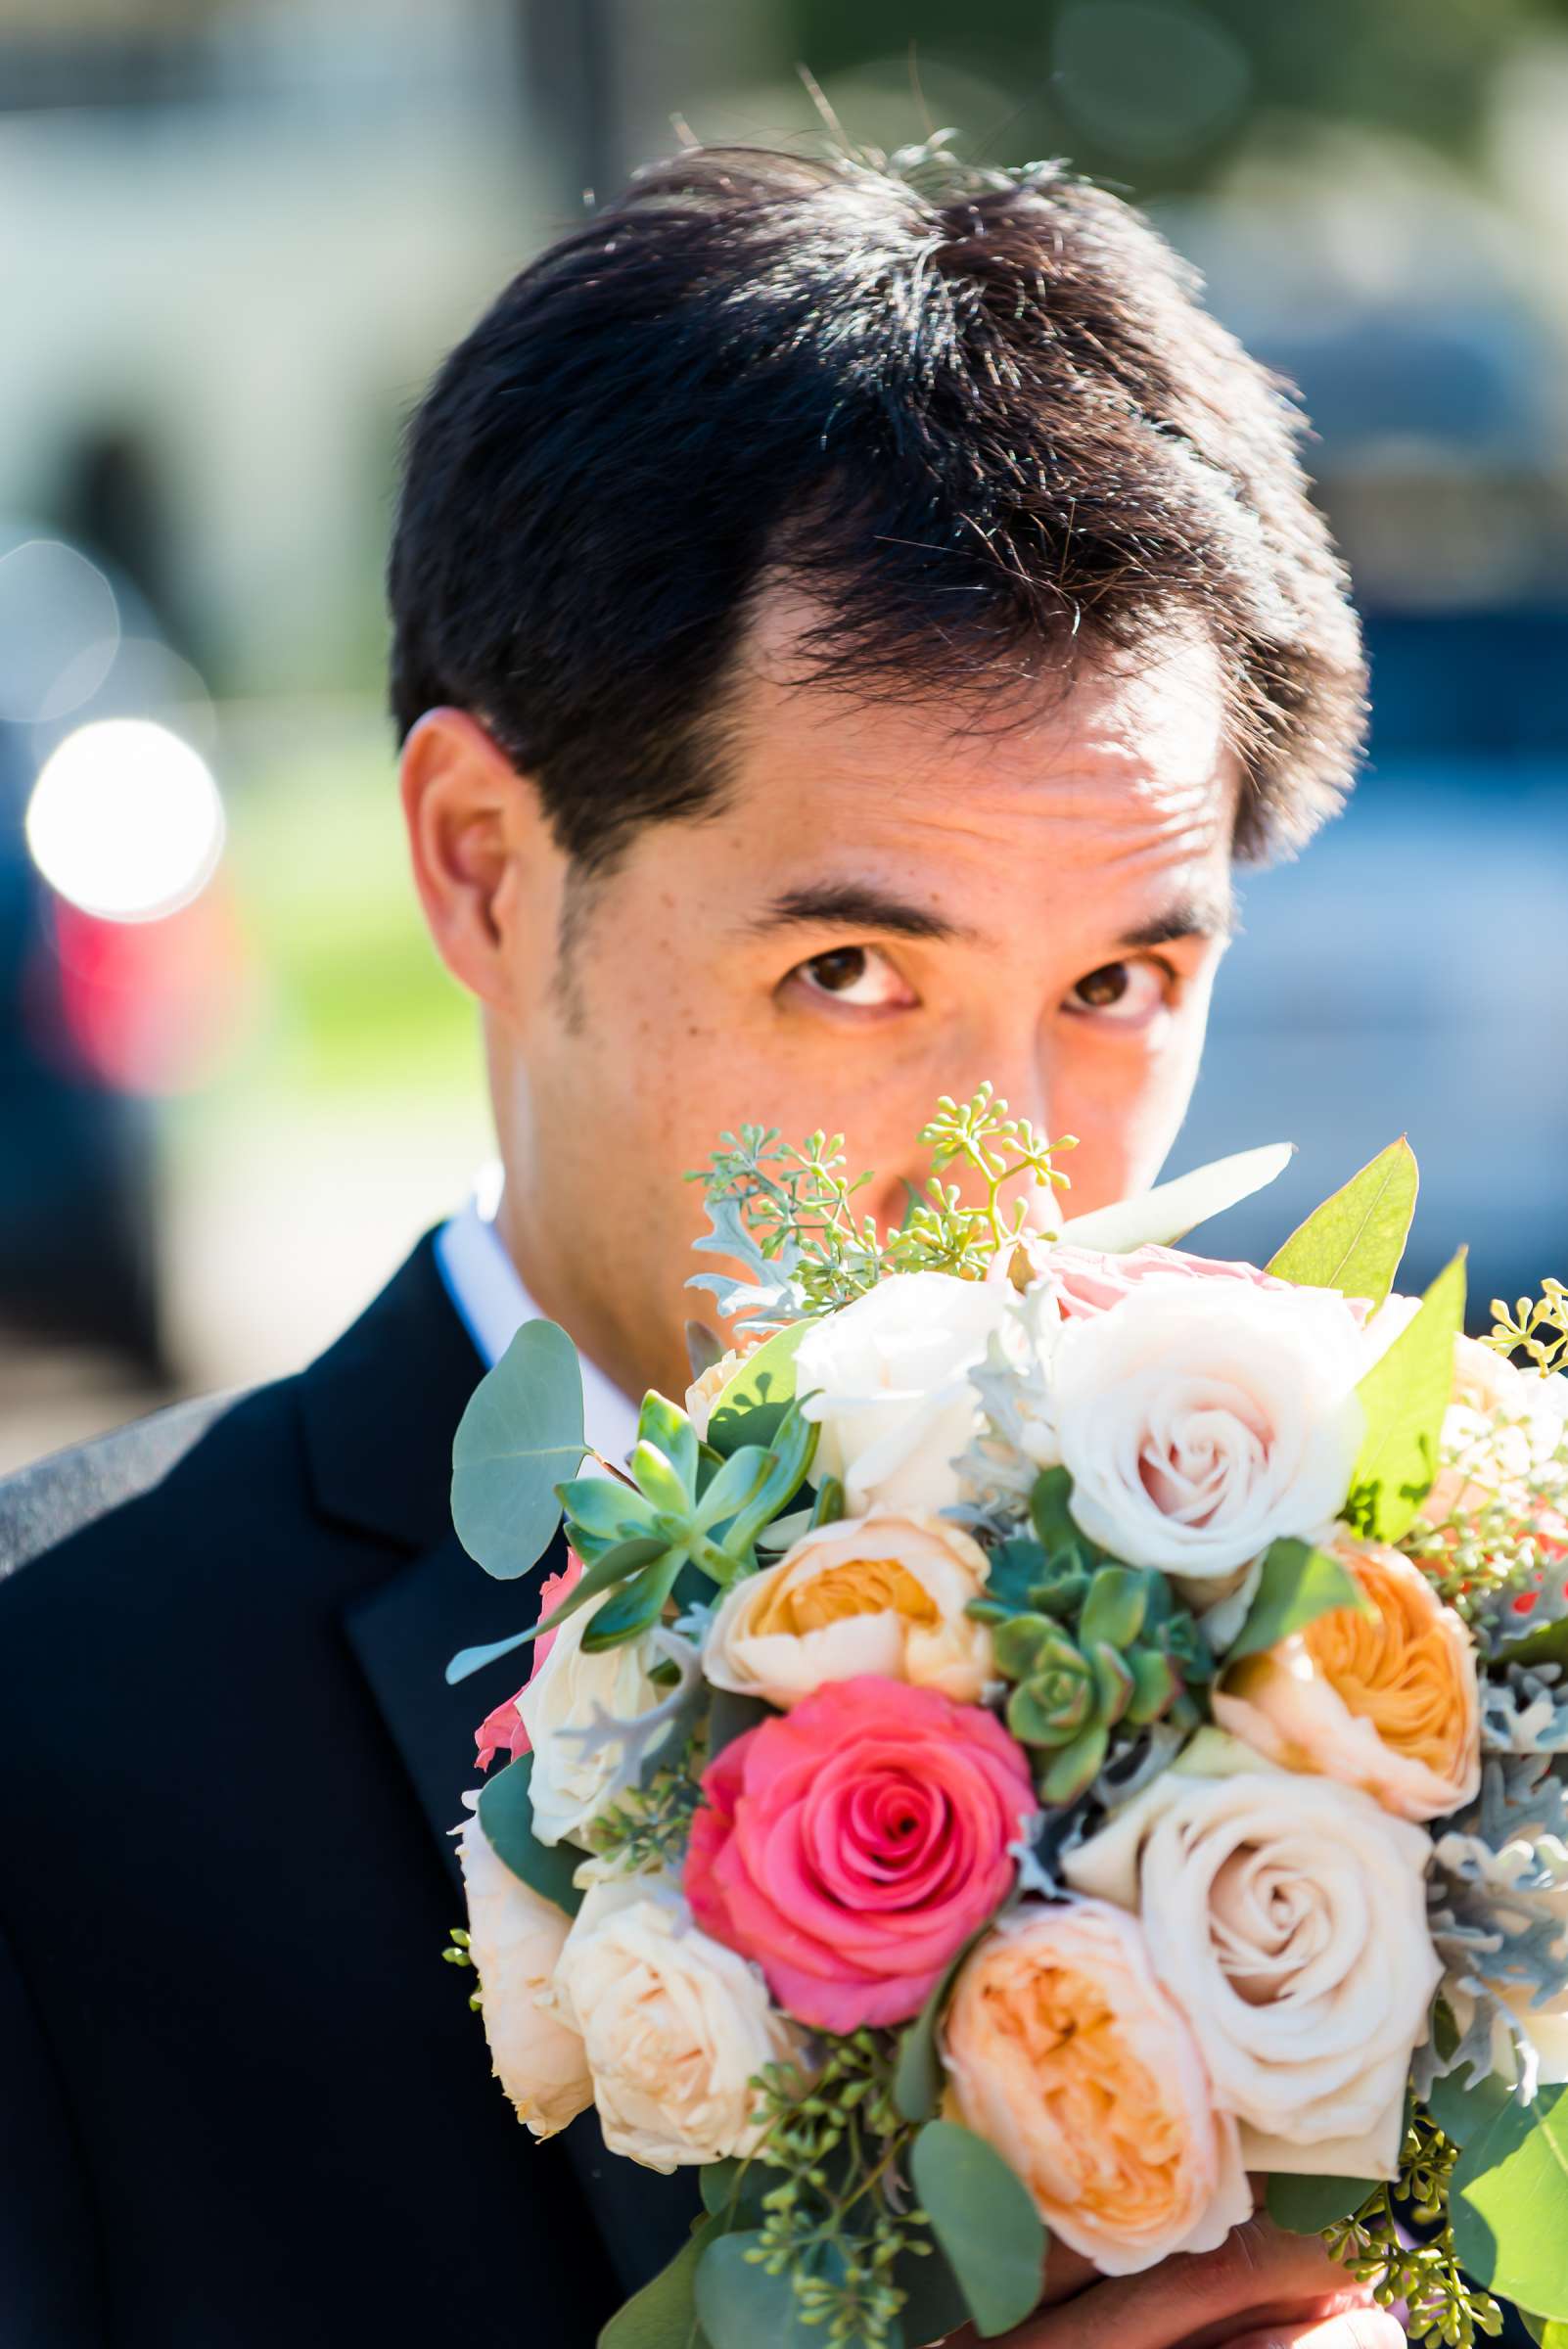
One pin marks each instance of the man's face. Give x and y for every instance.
(889, 906)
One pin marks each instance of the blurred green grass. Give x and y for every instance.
(347, 994)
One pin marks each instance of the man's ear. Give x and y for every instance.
(487, 865)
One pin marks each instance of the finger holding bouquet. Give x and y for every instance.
(1053, 1749)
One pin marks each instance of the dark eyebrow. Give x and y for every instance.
(855, 905)
(1190, 917)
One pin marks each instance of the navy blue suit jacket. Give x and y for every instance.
(241, 2100)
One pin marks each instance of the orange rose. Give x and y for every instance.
(1064, 2051)
(1386, 1701)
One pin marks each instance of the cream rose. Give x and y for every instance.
(1063, 2051)
(704, 1392)
(1386, 1701)
(1200, 1421)
(515, 1939)
(1288, 1918)
(883, 1594)
(676, 2026)
(572, 1689)
(887, 1380)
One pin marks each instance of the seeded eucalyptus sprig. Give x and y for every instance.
(789, 1212)
(1538, 1330)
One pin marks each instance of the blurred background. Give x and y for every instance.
(236, 236)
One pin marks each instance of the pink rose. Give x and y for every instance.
(853, 1846)
(504, 1727)
(1088, 1282)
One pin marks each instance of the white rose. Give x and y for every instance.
(1288, 1918)
(515, 1939)
(676, 2026)
(887, 1379)
(883, 1594)
(1200, 1423)
(572, 1691)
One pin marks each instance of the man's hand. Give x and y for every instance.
(1261, 2290)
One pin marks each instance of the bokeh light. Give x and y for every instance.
(125, 820)
(58, 631)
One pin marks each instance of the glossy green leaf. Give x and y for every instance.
(1307, 2205)
(740, 2305)
(1509, 2204)
(659, 1481)
(521, 1434)
(1354, 1240)
(1463, 2106)
(737, 1484)
(789, 1458)
(1549, 2333)
(1404, 1397)
(985, 2219)
(1298, 1585)
(506, 1817)
(750, 1405)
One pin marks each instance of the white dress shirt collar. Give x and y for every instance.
(483, 1285)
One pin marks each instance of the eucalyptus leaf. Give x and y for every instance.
(521, 1434)
(751, 1403)
(917, 2075)
(741, 2306)
(506, 1817)
(1509, 2205)
(663, 2314)
(469, 1660)
(1298, 1585)
(729, 1715)
(933, 2306)
(1354, 1240)
(1169, 1212)
(1307, 2205)
(985, 2219)
(1404, 1397)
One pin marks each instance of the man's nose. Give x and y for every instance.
(1020, 1079)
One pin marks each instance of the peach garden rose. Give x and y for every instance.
(1386, 1701)
(881, 1594)
(515, 1938)
(1064, 2051)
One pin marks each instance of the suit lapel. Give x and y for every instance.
(380, 1410)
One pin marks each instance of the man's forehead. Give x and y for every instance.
(1085, 720)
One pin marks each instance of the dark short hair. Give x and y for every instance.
(979, 415)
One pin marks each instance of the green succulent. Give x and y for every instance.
(1127, 1658)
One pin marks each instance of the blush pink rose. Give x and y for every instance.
(851, 1846)
(1087, 1282)
(504, 1727)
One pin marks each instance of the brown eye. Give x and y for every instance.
(837, 972)
(1123, 991)
(861, 975)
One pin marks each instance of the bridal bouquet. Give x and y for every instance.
(1051, 1725)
